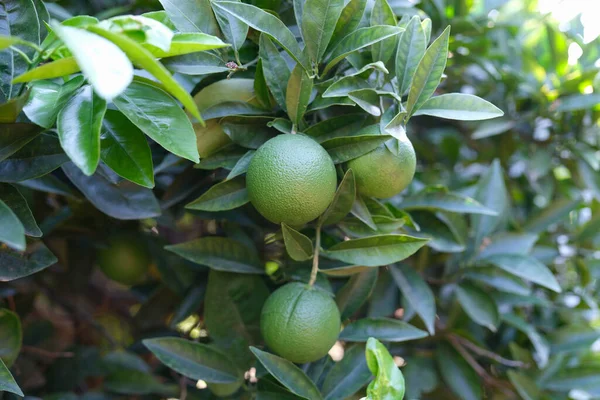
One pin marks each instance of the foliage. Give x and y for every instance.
(480, 280)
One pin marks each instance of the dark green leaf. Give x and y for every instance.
(526, 387)
(11, 196)
(162, 119)
(132, 382)
(7, 382)
(500, 280)
(219, 253)
(351, 297)
(348, 21)
(261, 89)
(342, 201)
(249, 135)
(491, 193)
(193, 360)
(376, 251)
(361, 211)
(347, 376)
(344, 149)
(458, 374)
(234, 30)
(299, 89)
(225, 195)
(275, 70)
(124, 200)
(344, 86)
(428, 73)
(9, 111)
(318, 23)
(417, 292)
(298, 246)
(191, 15)
(12, 232)
(288, 375)
(389, 382)
(196, 64)
(411, 48)
(232, 108)
(421, 377)
(459, 106)
(13, 137)
(552, 214)
(14, 265)
(382, 14)
(385, 329)
(539, 342)
(513, 243)
(439, 198)
(526, 267)
(478, 305)
(344, 125)
(241, 166)
(11, 336)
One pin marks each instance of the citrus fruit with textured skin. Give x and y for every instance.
(125, 259)
(300, 323)
(383, 174)
(291, 179)
(211, 137)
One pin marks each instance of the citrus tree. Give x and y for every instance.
(318, 199)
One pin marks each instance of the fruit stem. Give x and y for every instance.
(315, 265)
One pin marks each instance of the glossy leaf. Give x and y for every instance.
(526, 267)
(7, 382)
(12, 232)
(299, 89)
(346, 85)
(288, 375)
(411, 48)
(106, 67)
(143, 58)
(348, 21)
(124, 200)
(125, 149)
(347, 376)
(526, 387)
(225, 195)
(382, 14)
(79, 124)
(11, 196)
(16, 265)
(47, 100)
(14, 137)
(500, 280)
(389, 382)
(385, 329)
(298, 246)
(439, 198)
(318, 23)
(11, 336)
(353, 295)
(162, 119)
(457, 373)
(376, 251)
(193, 360)
(428, 73)
(219, 253)
(344, 125)
(359, 39)
(342, 201)
(196, 64)
(234, 30)
(459, 106)
(185, 43)
(344, 149)
(241, 167)
(417, 292)
(478, 305)
(539, 342)
(275, 70)
(54, 69)
(191, 15)
(361, 211)
(509, 243)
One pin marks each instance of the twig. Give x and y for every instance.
(491, 355)
(183, 388)
(46, 353)
(315, 265)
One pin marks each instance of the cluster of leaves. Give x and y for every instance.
(484, 286)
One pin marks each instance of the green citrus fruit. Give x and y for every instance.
(211, 137)
(300, 323)
(116, 328)
(291, 179)
(125, 259)
(381, 173)
(224, 389)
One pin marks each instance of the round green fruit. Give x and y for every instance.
(291, 179)
(383, 174)
(300, 323)
(125, 259)
(225, 389)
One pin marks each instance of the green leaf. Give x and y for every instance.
(428, 73)
(222, 254)
(556, 212)
(357, 40)
(234, 30)
(491, 128)
(50, 184)
(361, 211)
(376, 251)
(12, 232)
(347, 376)
(39, 157)
(389, 382)
(417, 292)
(421, 377)
(298, 93)
(539, 342)
(48, 98)
(225, 195)
(143, 58)
(11, 196)
(351, 297)
(478, 305)
(426, 23)
(526, 267)
(344, 86)
(9, 111)
(342, 201)
(11, 336)
(232, 108)
(318, 24)
(298, 246)
(344, 149)
(344, 125)
(191, 15)
(382, 14)
(500, 280)
(267, 23)
(185, 43)
(7, 41)
(439, 198)
(577, 102)
(16, 265)
(574, 338)
(261, 89)
(124, 200)
(125, 149)
(162, 119)
(7, 382)
(13, 137)
(275, 69)
(526, 387)
(513, 243)
(385, 329)
(196, 64)
(348, 21)
(288, 375)
(241, 167)
(411, 48)
(249, 134)
(442, 229)
(133, 382)
(105, 66)
(193, 360)
(459, 106)
(458, 374)
(54, 69)
(491, 193)
(79, 124)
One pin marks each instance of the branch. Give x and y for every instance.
(486, 353)
(315, 266)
